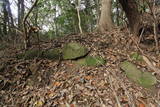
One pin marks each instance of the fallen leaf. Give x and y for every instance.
(38, 104)
(50, 94)
(72, 105)
(141, 105)
(56, 84)
(124, 100)
(88, 77)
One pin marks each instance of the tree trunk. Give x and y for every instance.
(1, 32)
(134, 18)
(20, 13)
(22, 10)
(10, 18)
(117, 13)
(25, 30)
(5, 18)
(105, 22)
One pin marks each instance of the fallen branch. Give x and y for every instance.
(114, 92)
(150, 65)
(79, 18)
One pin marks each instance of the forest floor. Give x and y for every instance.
(50, 83)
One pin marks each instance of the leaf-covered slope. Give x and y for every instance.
(44, 82)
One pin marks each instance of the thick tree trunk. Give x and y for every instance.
(105, 22)
(132, 14)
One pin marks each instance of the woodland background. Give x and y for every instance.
(59, 18)
(80, 53)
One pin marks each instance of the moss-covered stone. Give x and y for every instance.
(52, 54)
(94, 61)
(91, 61)
(144, 79)
(74, 50)
(136, 56)
(31, 54)
(81, 62)
(147, 80)
(49, 54)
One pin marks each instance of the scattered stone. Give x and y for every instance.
(144, 79)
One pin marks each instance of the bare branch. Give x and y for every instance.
(26, 35)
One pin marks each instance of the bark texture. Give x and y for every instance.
(20, 12)
(105, 22)
(134, 17)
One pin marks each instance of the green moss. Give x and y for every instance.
(52, 54)
(31, 54)
(91, 61)
(74, 50)
(147, 80)
(94, 61)
(136, 56)
(144, 79)
(81, 62)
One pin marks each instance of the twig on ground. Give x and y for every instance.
(114, 92)
(150, 65)
(130, 100)
(140, 38)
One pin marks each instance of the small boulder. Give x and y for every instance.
(74, 50)
(30, 54)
